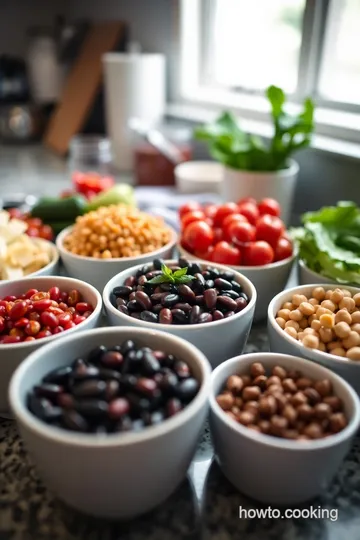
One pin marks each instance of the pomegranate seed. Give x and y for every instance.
(64, 318)
(64, 296)
(32, 328)
(11, 339)
(34, 316)
(2, 324)
(81, 307)
(56, 311)
(49, 319)
(8, 307)
(42, 305)
(21, 323)
(73, 298)
(43, 334)
(55, 293)
(2, 311)
(31, 293)
(16, 332)
(69, 325)
(9, 298)
(58, 329)
(40, 296)
(78, 319)
(18, 310)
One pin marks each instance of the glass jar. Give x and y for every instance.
(91, 154)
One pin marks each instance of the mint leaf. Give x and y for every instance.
(165, 270)
(179, 273)
(184, 279)
(160, 279)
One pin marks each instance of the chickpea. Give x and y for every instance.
(328, 304)
(279, 372)
(316, 325)
(353, 340)
(257, 369)
(346, 293)
(342, 330)
(338, 351)
(328, 293)
(356, 299)
(347, 303)
(336, 295)
(291, 331)
(300, 336)
(311, 319)
(326, 335)
(322, 347)
(356, 327)
(324, 387)
(343, 316)
(281, 322)
(295, 315)
(303, 382)
(312, 342)
(304, 323)
(260, 381)
(327, 320)
(295, 325)
(284, 314)
(355, 317)
(306, 308)
(251, 393)
(333, 344)
(318, 293)
(246, 418)
(353, 353)
(310, 331)
(289, 305)
(234, 384)
(297, 299)
(322, 311)
(314, 301)
(226, 401)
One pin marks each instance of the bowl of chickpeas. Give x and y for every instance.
(320, 323)
(111, 239)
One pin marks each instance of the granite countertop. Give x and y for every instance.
(205, 506)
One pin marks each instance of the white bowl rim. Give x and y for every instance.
(189, 327)
(240, 269)
(55, 257)
(291, 170)
(60, 245)
(299, 289)
(302, 264)
(275, 442)
(56, 280)
(114, 439)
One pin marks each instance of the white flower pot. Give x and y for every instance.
(279, 185)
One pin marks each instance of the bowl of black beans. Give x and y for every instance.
(112, 416)
(209, 305)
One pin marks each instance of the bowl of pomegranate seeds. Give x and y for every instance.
(36, 310)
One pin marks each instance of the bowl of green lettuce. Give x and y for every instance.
(329, 245)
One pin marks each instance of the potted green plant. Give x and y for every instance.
(253, 167)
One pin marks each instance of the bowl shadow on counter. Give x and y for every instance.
(221, 502)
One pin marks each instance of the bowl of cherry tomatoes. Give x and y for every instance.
(248, 236)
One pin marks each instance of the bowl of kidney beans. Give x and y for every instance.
(107, 412)
(196, 302)
(281, 425)
(36, 310)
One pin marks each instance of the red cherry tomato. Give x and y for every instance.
(206, 255)
(224, 253)
(46, 233)
(270, 229)
(283, 249)
(247, 200)
(33, 232)
(34, 222)
(189, 207)
(210, 210)
(15, 213)
(199, 235)
(238, 218)
(241, 233)
(269, 206)
(258, 253)
(250, 211)
(223, 211)
(218, 235)
(186, 246)
(195, 215)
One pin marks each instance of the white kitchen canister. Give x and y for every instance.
(134, 87)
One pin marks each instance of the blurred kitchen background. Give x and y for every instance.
(63, 72)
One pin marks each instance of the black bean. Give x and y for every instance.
(183, 263)
(127, 346)
(170, 300)
(240, 304)
(112, 359)
(112, 299)
(120, 302)
(210, 297)
(209, 284)
(49, 391)
(149, 316)
(128, 382)
(205, 318)
(206, 275)
(150, 365)
(236, 286)
(118, 407)
(168, 383)
(225, 302)
(214, 272)
(194, 268)
(186, 292)
(228, 275)
(124, 424)
(133, 305)
(142, 281)
(138, 403)
(181, 369)
(183, 306)
(153, 418)
(123, 291)
(79, 364)
(231, 294)
(244, 296)
(138, 425)
(130, 281)
(173, 406)
(187, 389)
(144, 270)
(217, 315)
(166, 287)
(66, 401)
(198, 284)
(135, 315)
(91, 407)
(112, 389)
(165, 316)
(152, 274)
(179, 316)
(223, 284)
(199, 299)
(123, 309)
(147, 387)
(74, 421)
(89, 388)
(109, 374)
(195, 314)
(38, 406)
(169, 361)
(90, 372)
(131, 297)
(59, 376)
(157, 263)
(156, 309)
(53, 414)
(157, 297)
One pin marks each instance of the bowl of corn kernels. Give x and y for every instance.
(111, 239)
(320, 323)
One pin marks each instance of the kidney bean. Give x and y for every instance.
(181, 369)
(205, 318)
(150, 365)
(112, 359)
(186, 292)
(168, 383)
(223, 284)
(210, 298)
(89, 388)
(83, 372)
(124, 424)
(173, 406)
(91, 407)
(179, 316)
(130, 281)
(149, 316)
(143, 299)
(195, 314)
(165, 316)
(74, 421)
(66, 401)
(47, 390)
(59, 376)
(217, 315)
(112, 389)
(224, 302)
(42, 305)
(146, 386)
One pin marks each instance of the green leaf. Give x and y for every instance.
(160, 279)
(166, 271)
(184, 279)
(276, 97)
(181, 272)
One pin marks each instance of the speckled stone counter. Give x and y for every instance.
(205, 507)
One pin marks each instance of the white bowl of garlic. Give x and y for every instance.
(21, 255)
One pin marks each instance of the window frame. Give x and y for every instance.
(333, 118)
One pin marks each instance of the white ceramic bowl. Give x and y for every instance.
(272, 470)
(217, 340)
(12, 354)
(119, 475)
(281, 342)
(268, 280)
(50, 269)
(199, 177)
(308, 277)
(97, 272)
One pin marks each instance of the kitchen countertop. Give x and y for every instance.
(205, 506)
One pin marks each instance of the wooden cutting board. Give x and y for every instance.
(82, 85)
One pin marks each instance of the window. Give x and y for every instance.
(231, 50)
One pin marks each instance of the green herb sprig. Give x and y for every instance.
(168, 276)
